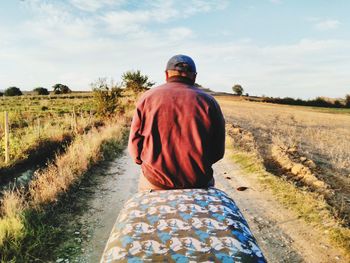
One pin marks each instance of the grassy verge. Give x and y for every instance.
(30, 228)
(307, 205)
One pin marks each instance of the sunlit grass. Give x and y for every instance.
(20, 236)
(307, 205)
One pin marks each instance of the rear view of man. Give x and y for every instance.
(177, 131)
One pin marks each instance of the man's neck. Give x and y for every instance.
(180, 79)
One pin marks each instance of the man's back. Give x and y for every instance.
(177, 134)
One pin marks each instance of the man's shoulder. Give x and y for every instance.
(166, 89)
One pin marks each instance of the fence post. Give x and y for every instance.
(39, 127)
(75, 121)
(90, 117)
(7, 138)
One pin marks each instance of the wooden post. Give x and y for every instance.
(75, 121)
(90, 117)
(7, 138)
(39, 128)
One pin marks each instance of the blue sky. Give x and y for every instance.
(271, 47)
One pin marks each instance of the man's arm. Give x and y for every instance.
(135, 143)
(218, 139)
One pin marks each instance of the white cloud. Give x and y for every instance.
(94, 5)
(179, 33)
(59, 46)
(327, 24)
(324, 24)
(121, 22)
(200, 6)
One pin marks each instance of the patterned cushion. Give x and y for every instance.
(189, 225)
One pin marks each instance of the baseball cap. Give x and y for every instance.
(181, 63)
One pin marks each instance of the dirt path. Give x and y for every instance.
(282, 236)
(108, 198)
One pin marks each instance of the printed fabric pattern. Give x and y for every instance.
(188, 225)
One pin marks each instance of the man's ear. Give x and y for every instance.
(194, 77)
(166, 75)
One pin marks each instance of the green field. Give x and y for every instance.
(52, 103)
(34, 119)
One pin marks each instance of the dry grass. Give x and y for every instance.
(310, 140)
(323, 137)
(11, 223)
(307, 205)
(30, 129)
(56, 179)
(67, 169)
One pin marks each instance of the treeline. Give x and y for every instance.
(56, 89)
(318, 102)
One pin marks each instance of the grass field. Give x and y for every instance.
(34, 119)
(303, 145)
(308, 145)
(24, 230)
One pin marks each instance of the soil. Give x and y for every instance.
(282, 236)
(108, 198)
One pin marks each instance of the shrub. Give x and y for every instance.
(135, 81)
(337, 104)
(41, 91)
(318, 102)
(238, 90)
(106, 96)
(61, 89)
(347, 101)
(13, 91)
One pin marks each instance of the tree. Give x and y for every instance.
(106, 96)
(41, 91)
(1, 94)
(238, 90)
(61, 89)
(13, 91)
(135, 81)
(337, 104)
(347, 101)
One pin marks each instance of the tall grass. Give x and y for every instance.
(29, 131)
(11, 222)
(68, 168)
(18, 209)
(322, 137)
(317, 136)
(310, 206)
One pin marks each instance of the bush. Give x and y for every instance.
(40, 91)
(135, 81)
(61, 89)
(347, 101)
(238, 90)
(1, 94)
(13, 91)
(106, 97)
(318, 102)
(337, 104)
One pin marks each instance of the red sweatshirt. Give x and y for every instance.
(177, 133)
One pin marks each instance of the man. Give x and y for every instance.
(177, 131)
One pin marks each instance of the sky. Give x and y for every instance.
(282, 48)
